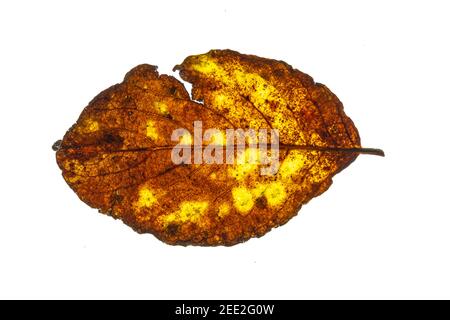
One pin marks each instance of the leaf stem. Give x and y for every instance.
(371, 151)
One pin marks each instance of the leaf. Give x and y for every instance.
(117, 157)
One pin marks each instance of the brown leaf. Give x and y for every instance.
(117, 157)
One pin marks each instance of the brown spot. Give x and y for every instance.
(172, 229)
(111, 138)
(173, 90)
(261, 202)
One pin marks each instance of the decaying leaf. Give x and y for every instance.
(117, 157)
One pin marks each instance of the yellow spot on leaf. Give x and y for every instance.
(246, 162)
(146, 198)
(152, 133)
(221, 99)
(191, 211)
(224, 209)
(161, 108)
(275, 193)
(261, 90)
(292, 164)
(258, 191)
(73, 179)
(74, 166)
(89, 126)
(206, 65)
(243, 199)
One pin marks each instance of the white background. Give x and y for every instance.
(381, 231)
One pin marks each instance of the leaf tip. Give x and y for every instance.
(57, 145)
